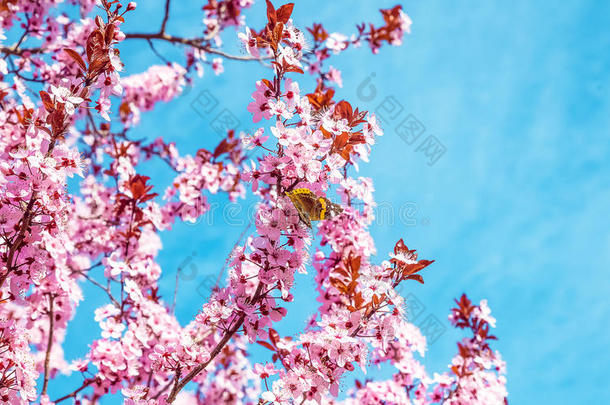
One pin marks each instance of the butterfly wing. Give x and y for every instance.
(304, 201)
(332, 209)
(311, 207)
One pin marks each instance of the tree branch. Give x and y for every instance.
(47, 357)
(152, 47)
(165, 17)
(26, 221)
(86, 383)
(106, 289)
(195, 43)
(16, 244)
(180, 385)
(15, 50)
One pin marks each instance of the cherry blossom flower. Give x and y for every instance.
(334, 75)
(260, 106)
(63, 95)
(249, 42)
(336, 42)
(217, 66)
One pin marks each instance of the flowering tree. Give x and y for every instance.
(65, 110)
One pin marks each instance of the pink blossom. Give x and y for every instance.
(249, 42)
(217, 66)
(334, 75)
(336, 42)
(260, 106)
(63, 95)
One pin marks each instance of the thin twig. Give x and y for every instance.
(228, 335)
(152, 47)
(86, 383)
(47, 357)
(237, 242)
(106, 289)
(176, 289)
(195, 43)
(162, 390)
(165, 17)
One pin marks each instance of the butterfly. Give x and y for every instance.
(311, 207)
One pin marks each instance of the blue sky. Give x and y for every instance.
(515, 210)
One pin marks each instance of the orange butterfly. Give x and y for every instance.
(311, 207)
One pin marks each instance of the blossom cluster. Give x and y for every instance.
(67, 111)
(142, 91)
